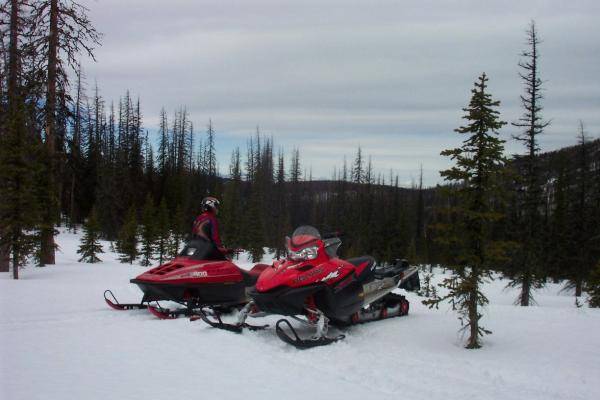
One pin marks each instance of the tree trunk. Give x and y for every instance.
(4, 258)
(13, 100)
(578, 286)
(526, 289)
(47, 255)
(15, 265)
(473, 342)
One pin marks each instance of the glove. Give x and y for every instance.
(226, 251)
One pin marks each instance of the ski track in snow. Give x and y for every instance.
(59, 340)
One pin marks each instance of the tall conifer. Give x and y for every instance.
(529, 257)
(478, 163)
(148, 234)
(127, 241)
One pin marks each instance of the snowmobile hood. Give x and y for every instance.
(184, 270)
(295, 274)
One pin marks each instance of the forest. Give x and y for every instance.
(69, 157)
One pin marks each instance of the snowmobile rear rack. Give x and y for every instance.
(114, 303)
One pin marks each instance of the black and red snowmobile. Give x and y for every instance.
(200, 276)
(314, 286)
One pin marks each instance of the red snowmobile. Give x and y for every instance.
(200, 276)
(315, 287)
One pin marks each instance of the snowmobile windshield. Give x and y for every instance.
(304, 235)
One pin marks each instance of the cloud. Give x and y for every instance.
(329, 75)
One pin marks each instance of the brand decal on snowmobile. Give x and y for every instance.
(199, 274)
(309, 274)
(331, 275)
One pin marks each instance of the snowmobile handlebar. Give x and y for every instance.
(228, 251)
(334, 234)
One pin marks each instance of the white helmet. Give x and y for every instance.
(210, 203)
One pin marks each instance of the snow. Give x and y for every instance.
(59, 340)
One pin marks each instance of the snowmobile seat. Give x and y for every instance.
(391, 270)
(368, 272)
(387, 271)
(251, 276)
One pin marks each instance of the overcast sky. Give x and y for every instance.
(327, 76)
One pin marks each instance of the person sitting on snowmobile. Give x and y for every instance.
(206, 226)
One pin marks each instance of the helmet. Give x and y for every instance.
(210, 203)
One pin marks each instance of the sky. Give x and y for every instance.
(329, 76)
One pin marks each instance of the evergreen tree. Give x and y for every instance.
(75, 156)
(358, 172)
(179, 229)
(90, 245)
(128, 238)
(19, 158)
(477, 165)
(62, 31)
(148, 234)
(254, 228)
(281, 211)
(210, 158)
(529, 257)
(232, 213)
(583, 261)
(593, 287)
(420, 220)
(560, 241)
(163, 232)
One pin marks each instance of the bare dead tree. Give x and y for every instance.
(62, 33)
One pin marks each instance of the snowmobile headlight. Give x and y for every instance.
(308, 253)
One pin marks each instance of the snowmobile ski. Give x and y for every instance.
(114, 303)
(237, 327)
(302, 344)
(165, 313)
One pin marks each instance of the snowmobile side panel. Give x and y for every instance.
(284, 301)
(340, 304)
(206, 294)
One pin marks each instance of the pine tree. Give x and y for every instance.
(420, 219)
(210, 158)
(529, 257)
(90, 245)
(128, 238)
(358, 171)
(281, 209)
(148, 234)
(163, 232)
(19, 158)
(63, 31)
(583, 260)
(231, 214)
(593, 287)
(254, 227)
(560, 243)
(179, 229)
(477, 165)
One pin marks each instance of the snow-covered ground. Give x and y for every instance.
(59, 340)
